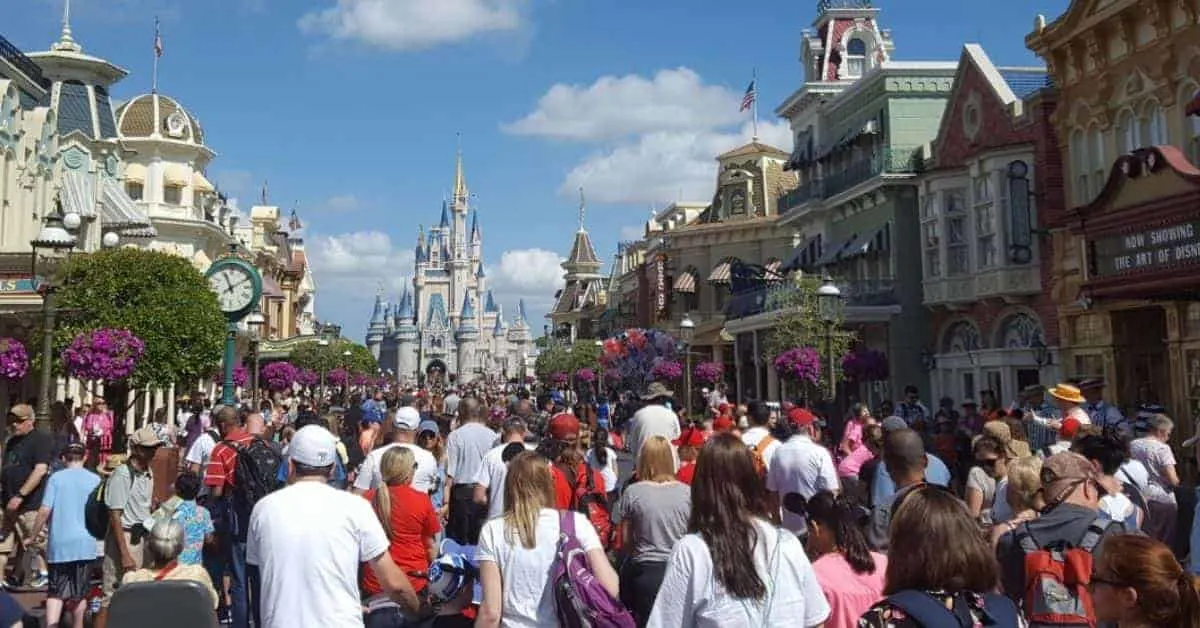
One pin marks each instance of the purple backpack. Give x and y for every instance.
(580, 600)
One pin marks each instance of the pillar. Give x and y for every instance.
(757, 366)
(171, 404)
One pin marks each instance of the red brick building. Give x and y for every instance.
(993, 184)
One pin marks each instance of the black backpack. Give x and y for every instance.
(95, 511)
(255, 467)
(929, 612)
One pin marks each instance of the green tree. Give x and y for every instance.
(567, 359)
(313, 356)
(799, 324)
(159, 297)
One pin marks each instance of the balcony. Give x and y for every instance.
(886, 160)
(1003, 282)
(775, 297)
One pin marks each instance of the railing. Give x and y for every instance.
(13, 55)
(825, 5)
(886, 160)
(780, 296)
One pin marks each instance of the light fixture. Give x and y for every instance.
(687, 329)
(71, 221)
(1041, 353)
(255, 318)
(829, 301)
(928, 360)
(110, 239)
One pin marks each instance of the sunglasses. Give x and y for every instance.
(1109, 582)
(991, 462)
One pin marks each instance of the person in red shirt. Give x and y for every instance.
(689, 444)
(567, 465)
(219, 478)
(411, 524)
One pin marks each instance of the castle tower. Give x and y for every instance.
(406, 339)
(846, 42)
(476, 237)
(519, 340)
(466, 335)
(583, 287)
(377, 327)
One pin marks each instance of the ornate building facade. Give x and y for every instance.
(449, 322)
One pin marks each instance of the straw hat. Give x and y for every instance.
(1067, 393)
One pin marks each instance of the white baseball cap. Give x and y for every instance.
(314, 446)
(407, 418)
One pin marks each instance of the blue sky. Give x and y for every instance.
(350, 108)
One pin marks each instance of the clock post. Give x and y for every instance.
(238, 286)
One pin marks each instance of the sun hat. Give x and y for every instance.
(314, 446)
(146, 437)
(1068, 393)
(656, 390)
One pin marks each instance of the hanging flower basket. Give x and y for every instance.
(708, 372)
(799, 364)
(585, 375)
(14, 360)
(667, 371)
(337, 377)
(865, 365)
(278, 376)
(108, 355)
(307, 378)
(612, 376)
(358, 379)
(529, 379)
(559, 379)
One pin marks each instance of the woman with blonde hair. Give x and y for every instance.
(411, 525)
(517, 550)
(1022, 496)
(654, 517)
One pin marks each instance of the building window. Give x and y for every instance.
(1130, 132)
(1153, 125)
(172, 195)
(985, 221)
(1079, 167)
(958, 260)
(931, 236)
(134, 189)
(1097, 167)
(856, 58)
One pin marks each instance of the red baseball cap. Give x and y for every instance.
(723, 408)
(1069, 428)
(690, 437)
(723, 423)
(801, 417)
(563, 426)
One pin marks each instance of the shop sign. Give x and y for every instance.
(1147, 249)
(13, 284)
(660, 286)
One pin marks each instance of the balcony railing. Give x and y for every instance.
(886, 160)
(22, 63)
(780, 296)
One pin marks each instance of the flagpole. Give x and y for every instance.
(154, 74)
(754, 104)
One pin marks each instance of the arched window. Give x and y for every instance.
(1019, 332)
(1190, 142)
(962, 337)
(1153, 125)
(1129, 132)
(1097, 168)
(856, 58)
(1080, 163)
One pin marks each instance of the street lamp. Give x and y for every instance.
(53, 242)
(687, 331)
(322, 342)
(255, 321)
(829, 305)
(1041, 353)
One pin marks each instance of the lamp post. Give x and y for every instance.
(687, 331)
(829, 304)
(55, 240)
(255, 321)
(1041, 353)
(323, 342)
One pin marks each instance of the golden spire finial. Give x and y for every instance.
(460, 180)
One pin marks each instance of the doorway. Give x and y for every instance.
(1141, 356)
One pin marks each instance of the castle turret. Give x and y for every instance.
(406, 339)
(377, 327)
(466, 336)
(476, 236)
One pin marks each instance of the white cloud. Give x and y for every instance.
(236, 183)
(358, 264)
(413, 24)
(633, 232)
(530, 274)
(619, 106)
(654, 139)
(340, 203)
(664, 166)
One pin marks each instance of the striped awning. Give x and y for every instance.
(78, 193)
(720, 273)
(797, 258)
(685, 282)
(117, 210)
(176, 174)
(869, 242)
(135, 173)
(201, 184)
(834, 252)
(772, 268)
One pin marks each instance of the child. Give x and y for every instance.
(195, 519)
(689, 444)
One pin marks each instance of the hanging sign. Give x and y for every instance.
(660, 286)
(1148, 249)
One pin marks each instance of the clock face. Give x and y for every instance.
(234, 287)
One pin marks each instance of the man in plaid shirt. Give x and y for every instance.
(219, 478)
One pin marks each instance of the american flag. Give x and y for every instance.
(749, 97)
(158, 45)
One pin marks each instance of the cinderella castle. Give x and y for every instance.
(449, 322)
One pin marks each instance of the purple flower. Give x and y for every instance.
(338, 377)
(109, 355)
(307, 378)
(799, 364)
(865, 365)
(14, 360)
(708, 372)
(667, 370)
(359, 380)
(560, 378)
(633, 355)
(278, 375)
(585, 375)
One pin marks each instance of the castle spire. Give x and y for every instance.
(460, 180)
(582, 208)
(445, 222)
(65, 42)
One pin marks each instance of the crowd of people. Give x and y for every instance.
(506, 505)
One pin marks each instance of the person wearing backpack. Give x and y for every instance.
(518, 551)
(801, 465)
(758, 437)
(1046, 563)
(241, 471)
(577, 486)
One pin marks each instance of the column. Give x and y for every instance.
(772, 385)
(171, 404)
(757, 360)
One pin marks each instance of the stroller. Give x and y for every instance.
(454, 589)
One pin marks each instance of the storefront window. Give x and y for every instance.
(1089, 365)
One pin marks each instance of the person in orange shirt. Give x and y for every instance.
(689, 444)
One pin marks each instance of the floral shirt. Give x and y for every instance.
(197, 524)
(884, 614)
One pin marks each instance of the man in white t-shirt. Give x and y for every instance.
(654, 419)
(758, 437)
(489, 482)
(404, 434)
(308, 540)
(801, 466)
